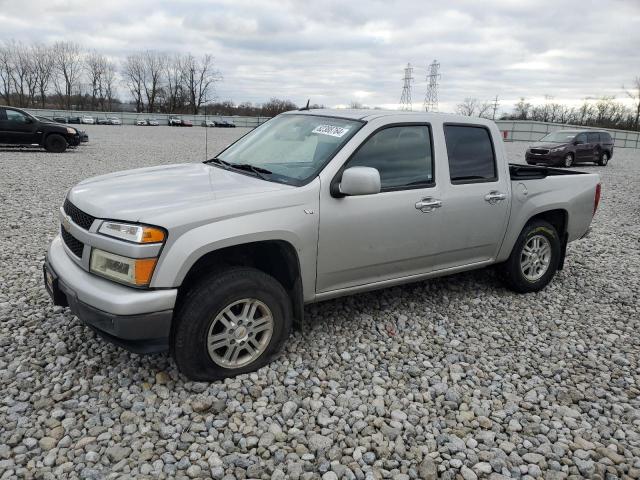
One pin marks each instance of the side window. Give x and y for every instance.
(16, 117)
(582, 138)
(402, 155)
(471, 155)
(3, 115)
(593, 137)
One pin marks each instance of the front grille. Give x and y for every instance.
(541, 151)
(80, 218)
(75, 245)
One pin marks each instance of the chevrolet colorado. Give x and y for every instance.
(18, 127)
(216, 260)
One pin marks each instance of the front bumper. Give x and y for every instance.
(546, 158)
(137, 320)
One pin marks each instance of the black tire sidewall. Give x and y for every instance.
(514, 276)
(206, 300)
(55, 143)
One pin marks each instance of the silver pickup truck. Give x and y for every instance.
(216, 260)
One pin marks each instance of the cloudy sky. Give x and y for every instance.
(336, 52)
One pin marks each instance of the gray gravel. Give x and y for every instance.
(451, 378)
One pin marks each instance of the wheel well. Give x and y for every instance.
(557, 218)
(274, 257)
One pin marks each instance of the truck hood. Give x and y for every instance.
(136, 195)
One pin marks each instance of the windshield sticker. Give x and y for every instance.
(331, 130)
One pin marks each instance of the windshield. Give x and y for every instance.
(292, 148)
(559, 137)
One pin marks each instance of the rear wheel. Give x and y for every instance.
(232, 322)
(55, 143)
(534, 259)
(568, 160)
(604, 158)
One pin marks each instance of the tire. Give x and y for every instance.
(55, 143)
(513, 270)
(567, 161)
(202, 313)
(604, 158)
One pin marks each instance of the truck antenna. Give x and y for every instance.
(306, 107)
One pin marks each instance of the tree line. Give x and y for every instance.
(603, 112)
(65, 76)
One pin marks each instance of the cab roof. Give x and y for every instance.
(367, 115)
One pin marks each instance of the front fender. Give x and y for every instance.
(293, 225)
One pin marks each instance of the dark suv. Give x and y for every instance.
(566, 147)
(17, 127)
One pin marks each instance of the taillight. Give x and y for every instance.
(596, 200)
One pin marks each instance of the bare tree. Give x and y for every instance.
(468, 107)
(173, 90)
(154, 67)
(44, 64)
(68, 65)
(199, 78)
(95, 64)
(485, 110)
(134, 78)
(109, 85)
(521, 111)
(634, 94)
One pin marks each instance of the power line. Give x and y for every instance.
(405, 99)
(431, 98)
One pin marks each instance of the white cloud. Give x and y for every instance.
(335, 52)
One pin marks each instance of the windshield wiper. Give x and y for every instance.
(258, 171)
(218, 161)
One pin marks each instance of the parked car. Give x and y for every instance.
(102, 121)
(208, 123)
(114, 121)
(74, 120)
(86, 119)
(61, 119)
(220, 123)
(353, 201)
(152, 122)
(566, 147)
(186, 123)
(141, 123)
(174, 121)
(84, 137)
(18, 127)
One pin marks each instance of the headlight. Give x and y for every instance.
(72, 131)
(557, 149)
(132, 233)
(133, 271)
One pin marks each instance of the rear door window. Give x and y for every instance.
(471, 154)
(593, 137)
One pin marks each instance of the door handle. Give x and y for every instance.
(495, 196)
(427, 204)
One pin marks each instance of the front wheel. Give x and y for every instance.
(231, 322)
(534, 259)
(55, 143)
(604, 158)
(568, 160)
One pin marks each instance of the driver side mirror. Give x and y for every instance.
(578, 142)
(359, 181)
(28, 120)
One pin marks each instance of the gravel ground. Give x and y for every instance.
(451, 378)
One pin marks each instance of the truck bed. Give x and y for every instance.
(536, 172)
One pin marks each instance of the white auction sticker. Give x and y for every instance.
(330, 130)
